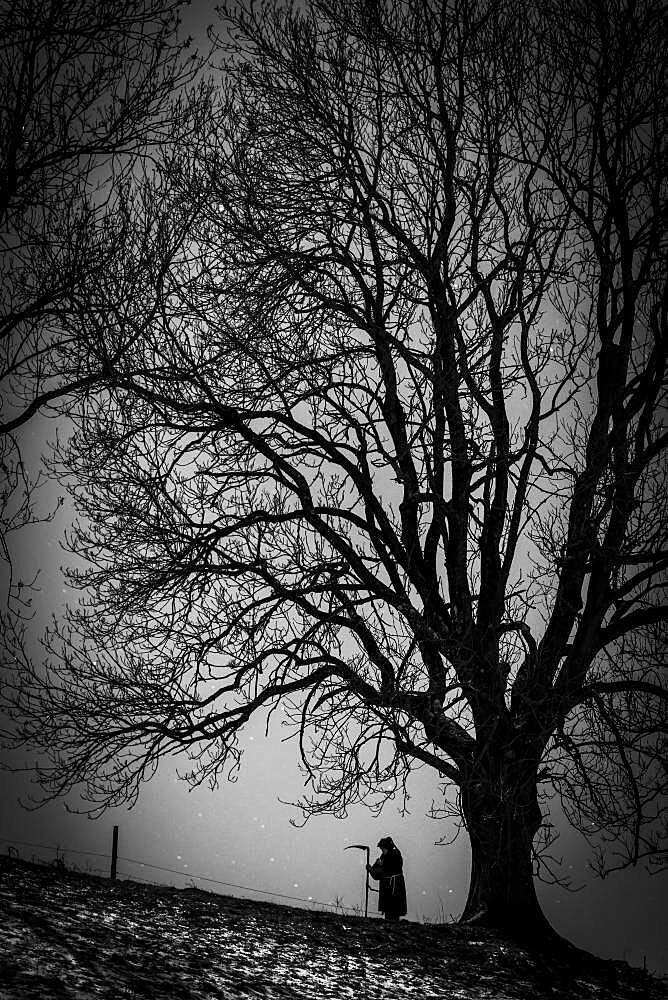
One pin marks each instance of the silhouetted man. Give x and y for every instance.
(388, 871)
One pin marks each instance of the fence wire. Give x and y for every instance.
(175, 871)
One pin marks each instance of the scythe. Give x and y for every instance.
(363, 847)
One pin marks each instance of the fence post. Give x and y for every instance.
(114, 852)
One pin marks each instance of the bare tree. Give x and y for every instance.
(378, 444)
(86, 90)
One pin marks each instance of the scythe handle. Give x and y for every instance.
(363, 847)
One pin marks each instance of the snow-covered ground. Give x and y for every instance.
(75, 936)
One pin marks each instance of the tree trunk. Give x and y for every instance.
(502, 894)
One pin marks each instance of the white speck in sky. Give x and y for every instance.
(262, 826)
(178, 857)
(424, 892)
(234, 861)
(199, 815)
(272, 859)
(450, 890)
(295, 885)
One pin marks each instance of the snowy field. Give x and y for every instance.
(75, 936)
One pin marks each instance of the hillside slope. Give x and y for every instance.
(75, 936)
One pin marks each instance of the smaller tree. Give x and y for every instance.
(87, 91)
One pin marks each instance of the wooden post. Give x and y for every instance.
(114, 852)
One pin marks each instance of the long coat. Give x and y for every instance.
(388, 871)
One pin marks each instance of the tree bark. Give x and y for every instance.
(502, 822)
